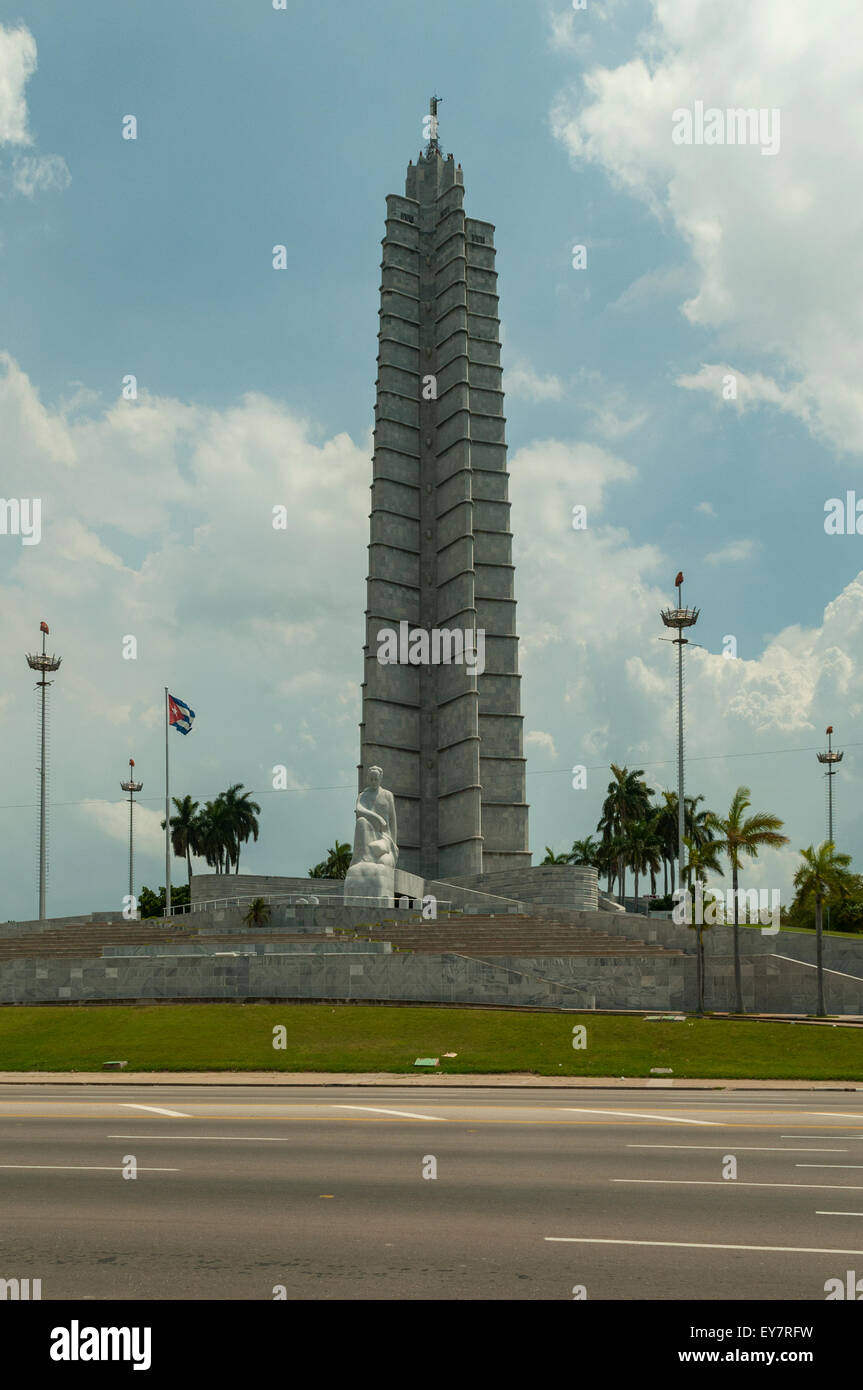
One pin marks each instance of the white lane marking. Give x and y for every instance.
(820, 1136)
(838, 1114)
(379, 1110)
(81, 1168)
(745, 1148)
(638, 1115)
(170, 1136)
(703, 1245)
(719, 1182)
(156, 1109)
(839, 1213)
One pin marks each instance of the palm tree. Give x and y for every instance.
(258, 913)
(552, 858)
(700, 860)
(642, 849)
(739, 835)
(698, 825)
(242, 820)
(666, 829)
(319, 870)
(214, 835)
(184, 831)
(584, 852)
(607, 861)
(627, 799)
(338, 860)
(658, 857)
(823, 874)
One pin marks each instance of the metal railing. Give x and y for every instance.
(399, 900)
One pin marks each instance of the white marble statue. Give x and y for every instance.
(373, 863)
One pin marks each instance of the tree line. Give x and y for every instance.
(216, 831)
(640, 835)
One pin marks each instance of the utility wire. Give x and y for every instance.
(541, 772)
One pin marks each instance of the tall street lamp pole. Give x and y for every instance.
(131, 786)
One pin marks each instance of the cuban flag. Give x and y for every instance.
(180, 716)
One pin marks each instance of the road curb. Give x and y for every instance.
(513, 1081)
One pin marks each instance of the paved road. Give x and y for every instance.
(321, 1190)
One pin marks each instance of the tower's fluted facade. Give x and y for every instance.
(448, 736)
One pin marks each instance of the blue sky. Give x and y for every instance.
(153, 256)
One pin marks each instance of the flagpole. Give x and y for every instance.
(167, 818)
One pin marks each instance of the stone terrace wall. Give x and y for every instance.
(318, 974)
(209, 887)
(214, 886)
(775, 984)
(555, 885)
(334, 969)
(843, 953)
(52, 923)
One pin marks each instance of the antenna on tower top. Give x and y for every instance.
(431, 123)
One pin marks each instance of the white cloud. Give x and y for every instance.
(706, 508)
(111, 818)
(523, 383)
(45, 173)
(73, 541)
(560, 474)
(731, 554)
(656, 284)
(257, 628)
(17, 64)
(606, 407)
(599, 681)
(570, 30)
(32, 173)
(610, 425)
(543, 742)
(774, 274)
(237, 617)
(751, 389)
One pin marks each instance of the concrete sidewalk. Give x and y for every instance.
(515, 1080)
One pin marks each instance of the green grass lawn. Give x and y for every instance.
(239, 1037)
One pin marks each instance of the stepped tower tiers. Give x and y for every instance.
(449, 736)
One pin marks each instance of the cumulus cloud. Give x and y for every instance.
(261, 631)
(31, 173)
(522, 382)
(569, 30)
(604, 687)
(536, 738)
(558, 474)
(739, 390)
(158, 523)
(111, 819)
(17, 65)
(773, 274)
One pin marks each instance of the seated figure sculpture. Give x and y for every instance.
(373, 864)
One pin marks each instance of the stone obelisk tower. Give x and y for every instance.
(440, 555)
